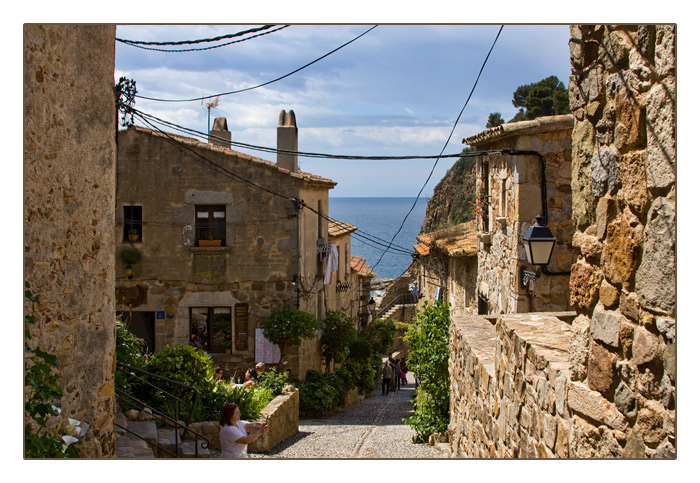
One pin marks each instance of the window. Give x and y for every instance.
(210, 223)
(133, 220)
(210, 328)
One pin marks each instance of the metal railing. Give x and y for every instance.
(173, 422)
(403, 299)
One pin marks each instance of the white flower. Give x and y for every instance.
(56, 409)
(73, 428)
(67, 441)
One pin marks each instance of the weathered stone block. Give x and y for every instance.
(600, 369)
(661, 142)
(650, 423)
(578, 354)
(626, 400)
(655, 278)
(621, 249)
(644, 346)
(605, 326)
(608, 294)
(584, 284)
(605, 170)
(594, 406)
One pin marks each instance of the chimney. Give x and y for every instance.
(219, 134)
(287, 139)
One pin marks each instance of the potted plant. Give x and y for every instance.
(227, 346)
(210, 242)
(133, 234)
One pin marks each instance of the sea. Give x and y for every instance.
(378, 220)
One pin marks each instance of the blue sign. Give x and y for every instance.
(160, 314)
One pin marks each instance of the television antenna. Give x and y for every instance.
(210, 103)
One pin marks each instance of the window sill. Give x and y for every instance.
(210, 249)
(484, 238)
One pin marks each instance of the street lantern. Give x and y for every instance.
(539, 245)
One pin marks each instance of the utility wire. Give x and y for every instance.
(266, 83)
(206, 137)
(301, 203)
(183, 42)
(205, 48)
(444, 147)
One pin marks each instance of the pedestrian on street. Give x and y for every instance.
(397, 374)
(387, 375)
(404, 371)
(234, 435)
(393, 375)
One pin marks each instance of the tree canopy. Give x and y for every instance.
(548, 97)
(495, 120)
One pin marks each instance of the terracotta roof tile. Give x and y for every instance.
(455, 241)
(337, 228)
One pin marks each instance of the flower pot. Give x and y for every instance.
(209, 243)
(228, 352)
(133, 237)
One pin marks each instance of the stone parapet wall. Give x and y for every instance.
(283, 414)
(512, 396)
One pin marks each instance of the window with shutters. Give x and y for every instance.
(210, 223)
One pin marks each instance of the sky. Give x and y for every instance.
(396, 91)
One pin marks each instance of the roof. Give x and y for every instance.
(455, 241)
(358, 264)
(338, 228)
(539, 125)
(196, 143)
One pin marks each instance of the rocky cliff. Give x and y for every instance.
(450, 203)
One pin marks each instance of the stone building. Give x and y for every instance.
(176, 194)
(510, 193)
(599, 382)
(349, 286)
(69, 175)
(446, 267)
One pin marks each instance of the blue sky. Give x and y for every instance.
(396, 91)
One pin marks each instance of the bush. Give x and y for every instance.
(273, 380)
(320, 394)
(338, 332)
(379, 334)
(288, 326)
(250, 400)
(428, 358)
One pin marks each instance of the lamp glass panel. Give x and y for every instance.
(528, 253)
(541, 251)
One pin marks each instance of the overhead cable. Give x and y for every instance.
(446, 143)
(183, 42)
(206, 137)
(205, 48)
(265, 83)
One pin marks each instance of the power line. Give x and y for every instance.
(266, 83)
(203, 48)
(183, 42)
(241, 145)
(445, 146)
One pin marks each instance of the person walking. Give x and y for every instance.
(234, 435)
(393, 375)
(397, 374)
(404, 371)
(387, 375)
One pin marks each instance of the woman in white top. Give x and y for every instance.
(234, 435)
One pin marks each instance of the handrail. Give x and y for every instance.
(174, 422)
(393, 303)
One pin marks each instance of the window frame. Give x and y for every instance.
(211, 346)
(216, 228)
(132, 221)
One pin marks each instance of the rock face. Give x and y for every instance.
(449, 204)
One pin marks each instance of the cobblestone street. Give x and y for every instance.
(370, 429)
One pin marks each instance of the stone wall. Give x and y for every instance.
(512, 395)
(69, 175)
(623, 93)
(511, 187)
(283, 414)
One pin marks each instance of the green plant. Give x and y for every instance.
(320, 394)
(210, 236)
(42, 407)
(338, 333)
(288, 327)
(379, 334)
(133, 231)
(273, 380)
(130, 254)
(428, 358)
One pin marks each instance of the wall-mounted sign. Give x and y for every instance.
(240, 313)
(160, 314)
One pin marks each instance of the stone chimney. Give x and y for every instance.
(287, 139)
(219, 134)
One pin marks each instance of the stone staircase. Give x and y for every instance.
(130, 446)
(391, 314)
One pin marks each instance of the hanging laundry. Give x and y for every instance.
(331, 264)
